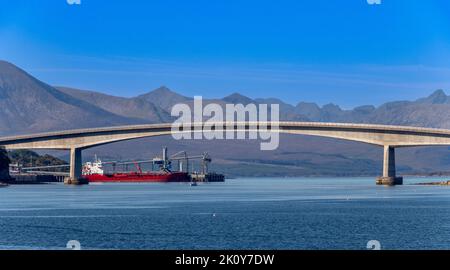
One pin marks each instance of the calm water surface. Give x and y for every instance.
(270, 213)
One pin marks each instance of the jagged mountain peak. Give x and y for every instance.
(437, 97)
(164, 98)
(237, 98)
(331, 107)
(162, 90)
(30, 105)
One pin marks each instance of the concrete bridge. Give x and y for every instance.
(389, 137)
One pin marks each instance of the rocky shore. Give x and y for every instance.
(443, 183)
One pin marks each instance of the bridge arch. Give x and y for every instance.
(389, 137)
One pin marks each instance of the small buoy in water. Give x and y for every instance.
(214, 214)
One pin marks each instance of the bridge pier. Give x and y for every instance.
(389, 175)
(75, 177)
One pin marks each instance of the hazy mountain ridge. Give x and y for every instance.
(29, 105)
(127, 107)
(421, 112)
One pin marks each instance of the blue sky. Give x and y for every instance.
(346, 52)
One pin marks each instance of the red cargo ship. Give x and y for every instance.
(139, 177)
(93, 172)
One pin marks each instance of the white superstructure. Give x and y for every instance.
(91, 168)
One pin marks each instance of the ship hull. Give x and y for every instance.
(138, 177)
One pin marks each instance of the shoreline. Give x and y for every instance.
(443, 183)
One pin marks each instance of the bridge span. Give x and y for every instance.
(389, 137)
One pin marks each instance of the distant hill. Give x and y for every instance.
(432, 111)
(29, 105)
(237, 98)
(138, 108)
(29, 158)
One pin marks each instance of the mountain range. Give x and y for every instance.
(28, 105)
(155, 106)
